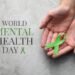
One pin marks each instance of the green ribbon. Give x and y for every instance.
(55, 45)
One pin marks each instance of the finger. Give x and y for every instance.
(63, 51)
(54, 37)
(44, 37)
(50, 52)
(64, 44)
(49, 38)
(45, 21)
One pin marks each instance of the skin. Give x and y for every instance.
(57, 21)
(69, 43)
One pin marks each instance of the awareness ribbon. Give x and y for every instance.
(55, 45)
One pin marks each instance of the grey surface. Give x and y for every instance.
(35, 61)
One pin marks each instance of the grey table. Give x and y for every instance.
(34, 61)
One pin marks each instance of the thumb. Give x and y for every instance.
(45, 21)
(51, 14)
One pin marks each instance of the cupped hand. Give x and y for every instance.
(57, 20)
(69, 44)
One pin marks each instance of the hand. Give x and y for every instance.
(57, 20)
(69, 43)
